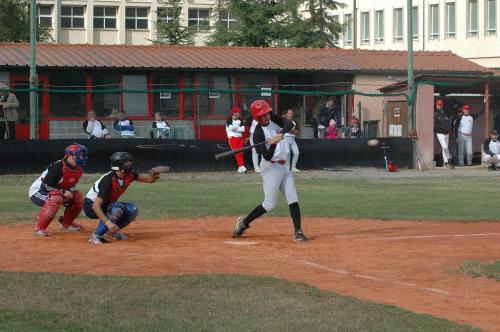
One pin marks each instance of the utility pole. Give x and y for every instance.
(354, 24)
(57, 25)
(409, 37)
(33, 78)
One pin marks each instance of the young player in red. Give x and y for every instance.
(57, 187)
(101, 202)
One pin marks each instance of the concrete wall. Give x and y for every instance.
(73, 129)
(372, 108)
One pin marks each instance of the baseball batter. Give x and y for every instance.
(275, 175)
(101, 202)
(57, 187)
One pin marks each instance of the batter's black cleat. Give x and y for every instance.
(239, 228)
(299, 236)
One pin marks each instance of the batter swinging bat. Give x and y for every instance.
(286, 128)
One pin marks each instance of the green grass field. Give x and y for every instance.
(478, 269)
(429, 199)
(55, 302)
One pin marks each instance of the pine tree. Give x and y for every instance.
(169, 26)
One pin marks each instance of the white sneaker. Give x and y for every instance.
(96, 239)
(257, 169)
(242, 169)
(295, 170)
(41, 233)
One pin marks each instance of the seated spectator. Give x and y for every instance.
(123, 126)
(491, 151)
(161, 128)
(354, 131)
(95, 128)
(332, 131)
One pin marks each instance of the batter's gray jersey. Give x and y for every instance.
(276, 176)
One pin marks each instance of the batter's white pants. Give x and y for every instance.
(275, 178)
(255, 155)
(443, 141)
(295, 151)
(464, 147)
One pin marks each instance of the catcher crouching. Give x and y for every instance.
(101, 202)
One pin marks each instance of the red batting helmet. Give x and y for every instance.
(259, 108)
(466, 107)
(439, 102)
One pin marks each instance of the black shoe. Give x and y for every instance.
(492, 168)
(299, 236)
(239, 228)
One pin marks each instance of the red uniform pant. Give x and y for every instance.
(237, 143)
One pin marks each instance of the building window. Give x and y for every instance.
(71, 103)
(365, 28)
(168, 14)
(198, 19)
(44, 16)
(434, 22)
(379, 26)
(414, 22)
(491, 17)
(472, 18)
(136, 18)
(348, 28)
(105, 17)
(72, 16)
(214, 104)
(398, 24)
(337, 22)
(226, 20)
(167, 102)
(450, 19)
(104, 104)
(135, 104)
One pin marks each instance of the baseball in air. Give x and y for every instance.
(373, 142)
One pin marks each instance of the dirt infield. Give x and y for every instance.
(407, 264)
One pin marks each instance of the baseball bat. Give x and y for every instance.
(286, 128)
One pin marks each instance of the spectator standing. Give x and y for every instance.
(95, 128)
(123, 126)
(453, 142)
(442, 126)
(290, 140)
(464, 133)
(9, 106)
(234, 130)
(491, 151)
(327, 113)
(161, 126)
(332, 131)
(354, 131)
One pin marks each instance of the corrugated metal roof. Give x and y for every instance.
(246, 58)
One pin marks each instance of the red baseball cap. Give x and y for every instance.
(235, 110)
(439, 102)
(466, 107)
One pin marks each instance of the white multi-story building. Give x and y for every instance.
(468, 28)
(118, 21)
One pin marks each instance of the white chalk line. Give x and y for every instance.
(370, 277)
(241, 243)
(430, 236)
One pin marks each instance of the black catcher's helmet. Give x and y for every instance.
(118, 160)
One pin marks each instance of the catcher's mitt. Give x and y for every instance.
(159, 170)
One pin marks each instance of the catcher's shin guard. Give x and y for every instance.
(73, 209)
(49, 210)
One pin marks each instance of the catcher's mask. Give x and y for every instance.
(79, 153)
(122, 161)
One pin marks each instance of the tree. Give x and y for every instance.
(169, 27)
(15, 22)
(318, 28)
(271, 23)
(257, 23)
